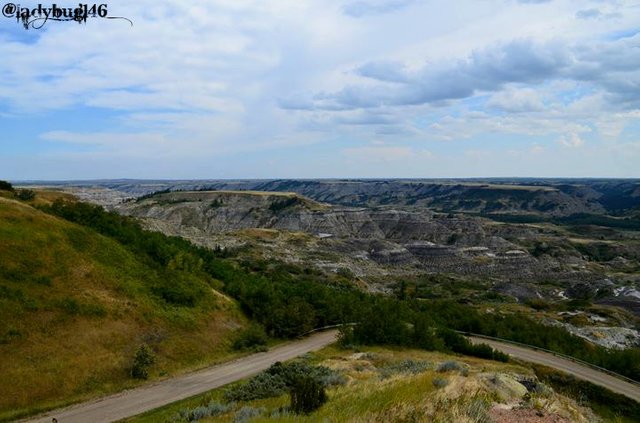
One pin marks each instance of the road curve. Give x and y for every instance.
(136, 401)
(578, 370)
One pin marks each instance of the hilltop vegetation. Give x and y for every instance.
(76, 305)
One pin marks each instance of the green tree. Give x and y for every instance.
(307, 394)
(6, 186)
(143, 359)
(26, 195)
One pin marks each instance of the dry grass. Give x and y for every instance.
(74, 307)
(372, 395)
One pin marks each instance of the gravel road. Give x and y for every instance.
(578, 370)
(139, 400)
(136, 401)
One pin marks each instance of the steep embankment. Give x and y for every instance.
(534, 197)
(75, 306)
(216, 212)
(542, 198)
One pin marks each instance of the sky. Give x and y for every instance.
(324, 89)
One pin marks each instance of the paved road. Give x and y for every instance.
(578, 370)
(136, 401)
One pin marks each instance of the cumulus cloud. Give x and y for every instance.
(594, 13)
(611, 66)
(209, 80)
(517, 100)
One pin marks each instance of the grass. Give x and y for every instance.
(372, 394)
(75, 306)
(608, 405)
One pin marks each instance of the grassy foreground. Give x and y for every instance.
(75, 306)
(399, 385)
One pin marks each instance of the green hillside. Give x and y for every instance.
(75, 306)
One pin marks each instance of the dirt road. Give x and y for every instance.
(578, 370)
(136, 401)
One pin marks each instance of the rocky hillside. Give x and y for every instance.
(384, 245)
(548, 197)
(364, 240)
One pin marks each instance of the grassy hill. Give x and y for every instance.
(75, 306)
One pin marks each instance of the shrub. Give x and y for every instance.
(263, 385)
(143, 359)
(212, 409)
(459, 344)
(279, 205)
(449, 366)
(291, 371)
(307, 394)
(406, 366)
(278, 380)
(252, 336)
(178, 289)
(247, 413)
(439, 382)
(26, 195)
(73, 307)
(6, 186)
(216, 203)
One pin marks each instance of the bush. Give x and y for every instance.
(73, 307)
(307, 394)
(279, 205)
(6, 186)
(279, 379)
(214, 408)
(263, 385)
(407, 366)
(26, 195)
(253, 336)
(439, 383)
(459, 344)
(449, 366)
(247, 413)
(143, 359)
(291, 371)
(179, 289)
(216, 203)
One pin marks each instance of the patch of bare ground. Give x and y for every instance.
(500, 414)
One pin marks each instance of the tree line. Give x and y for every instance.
(289, 300)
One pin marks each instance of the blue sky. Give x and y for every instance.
(331, 88)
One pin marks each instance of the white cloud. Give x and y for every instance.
(517, 100)
(572, 141)
(224, 77)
